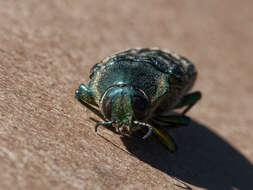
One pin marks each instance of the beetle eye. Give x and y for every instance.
(140, 106)
(107, 107)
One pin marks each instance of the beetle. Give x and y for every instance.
(137, 89)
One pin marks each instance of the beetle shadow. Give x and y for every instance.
(203, 159)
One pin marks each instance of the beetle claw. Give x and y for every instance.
(97, 125)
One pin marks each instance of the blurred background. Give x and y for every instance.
(47, 140)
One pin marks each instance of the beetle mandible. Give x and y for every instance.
(137, 89)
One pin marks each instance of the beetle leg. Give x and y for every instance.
(86, 95)
(145, 125)
(103, 123)
(164, 138)
(94, 110)
(117, 129)
(189, 100)
(150, 129)
(170, 121)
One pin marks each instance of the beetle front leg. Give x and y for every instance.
(103, 123)
(189, 100)
(86, 95)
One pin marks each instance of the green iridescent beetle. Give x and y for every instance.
(137, 89)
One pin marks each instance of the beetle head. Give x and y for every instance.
(126, 106)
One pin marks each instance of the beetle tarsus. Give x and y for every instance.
(146, 125)
(105, 123)
(149, 131)
(117, 129)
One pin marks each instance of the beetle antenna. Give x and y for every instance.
(146, 125)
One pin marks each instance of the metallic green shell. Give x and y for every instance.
(164, 76)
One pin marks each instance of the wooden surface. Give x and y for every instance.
(47, 139)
